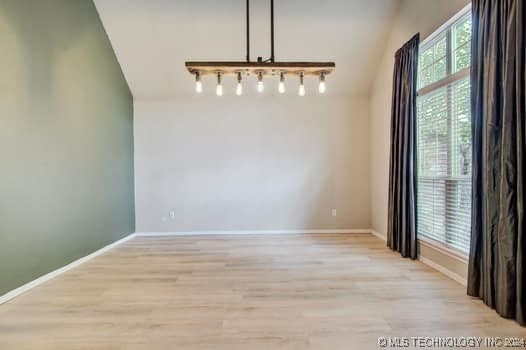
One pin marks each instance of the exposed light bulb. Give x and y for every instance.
(301, 90)
(198, 84)
(281, 86)
(219, 88)
(322, 88)
(261, 87)
(239, 88)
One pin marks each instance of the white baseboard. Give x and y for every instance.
(379, 235)
(249, 232)
(443, 270)
(30, 285)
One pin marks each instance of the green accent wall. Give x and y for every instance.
(66, 138)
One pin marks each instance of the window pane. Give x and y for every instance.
(444, 165)
(432, 134)
(440, 70)
(462, 32)
(440, 48)
(432, 64)
(426, 76)
(462, 58)
(431, 208)
(461, 118)
(462, 44)
(458, 216)
(426, 58)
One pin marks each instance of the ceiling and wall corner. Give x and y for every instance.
(260, 161)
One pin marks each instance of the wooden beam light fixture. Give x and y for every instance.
(259, 68)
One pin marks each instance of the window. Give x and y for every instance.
(444, 135)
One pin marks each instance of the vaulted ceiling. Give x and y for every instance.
(153, 38)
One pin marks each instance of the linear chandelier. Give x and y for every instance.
(260, 68)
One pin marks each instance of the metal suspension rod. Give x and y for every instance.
(248, 30)
(272, 31)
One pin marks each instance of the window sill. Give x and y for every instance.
(444, 249)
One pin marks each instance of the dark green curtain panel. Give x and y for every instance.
(401, 230)
(498, 242)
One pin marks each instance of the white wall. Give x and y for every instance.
(268, 162)
(414, 16)
(252, 163)
(255, 162)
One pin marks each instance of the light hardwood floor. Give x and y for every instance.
(326, 291)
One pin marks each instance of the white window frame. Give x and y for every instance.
(428, 241)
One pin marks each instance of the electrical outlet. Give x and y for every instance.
(334, 212)
(172, 215)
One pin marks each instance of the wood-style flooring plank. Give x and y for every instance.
(310, 291)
